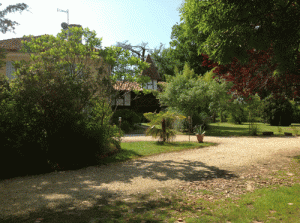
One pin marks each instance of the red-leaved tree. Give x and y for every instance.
(257, 76)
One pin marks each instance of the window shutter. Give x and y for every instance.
(120, 102)
(127, 99)
(150, 85)
(155, 84)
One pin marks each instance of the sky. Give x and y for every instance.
(114, 20)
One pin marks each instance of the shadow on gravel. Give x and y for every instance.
(61, 189)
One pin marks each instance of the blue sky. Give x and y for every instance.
(114, 20)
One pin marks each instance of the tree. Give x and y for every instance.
(162, 124)
(185, 50)
(230, 26)
(186, 92)
(219, 93)
(165, 61)
(257, 76)
(182, 49)
(5, 24)
(58, 84)
(142, 46)
(124, 68)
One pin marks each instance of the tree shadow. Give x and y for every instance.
(59, 196)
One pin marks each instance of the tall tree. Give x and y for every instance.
(165, 61)
(231, 29)
(186, 92)
(185, 50)
(182, 49)
(125, 68)
(5, 24)
(257, 76)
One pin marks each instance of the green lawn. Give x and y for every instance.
(134, 150)
(229, 129)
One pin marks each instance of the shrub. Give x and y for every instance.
(156, 129)
(296, 112)
(202, 119)
(237, 114)
(80, 140)
(277, 111)
(129, 119)
(142, 118)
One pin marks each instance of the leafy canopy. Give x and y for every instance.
(231, 28)
(185, 91)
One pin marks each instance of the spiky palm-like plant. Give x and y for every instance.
(156, 130)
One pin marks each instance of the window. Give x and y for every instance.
(10, 69)
(123, 99)
(150, 85)
(127, 99)
(155, 84)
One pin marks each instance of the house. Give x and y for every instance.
(139, 103)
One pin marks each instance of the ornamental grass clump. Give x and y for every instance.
(162, 125)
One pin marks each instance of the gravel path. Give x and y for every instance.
(83, 188)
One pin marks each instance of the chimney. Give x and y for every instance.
(75, 25)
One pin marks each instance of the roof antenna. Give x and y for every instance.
(64, 25)
(67, 11)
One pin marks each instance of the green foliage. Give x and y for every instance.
(236, 110)
(119, 59)
(184, 50)
(129, 119)
(296, 111)
(185, 92)
(277, 111)
(219, 30)
(202, 119)
(218, 93)
(198, 130)
(253, 129)
(53, 105)
(156, 124)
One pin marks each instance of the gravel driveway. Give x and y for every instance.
(82, 188)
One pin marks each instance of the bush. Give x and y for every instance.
(202, 119)
(156, 129)
(142, 118)
(79, 140)
(129, 119)
(296, 112)
(72, 142)
(278, 112)
(236, 112)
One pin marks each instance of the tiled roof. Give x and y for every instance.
(127, 86)
(162, 82)
(152, 70)
(15, 44)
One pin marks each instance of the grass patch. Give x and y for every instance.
(281, 205)
(229, 129)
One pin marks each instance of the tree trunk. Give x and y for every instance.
(163, 125)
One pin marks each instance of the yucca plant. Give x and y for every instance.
(166, 132)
